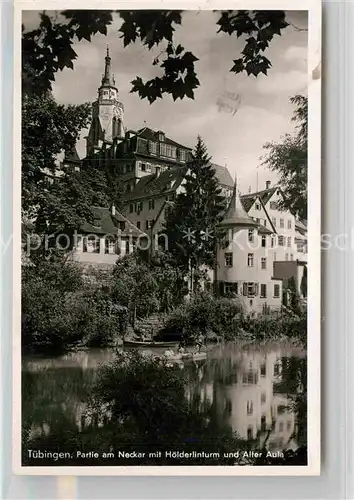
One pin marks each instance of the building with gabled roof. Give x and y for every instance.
(145, 204)
(110, 236)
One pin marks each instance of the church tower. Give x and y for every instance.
(107, 112)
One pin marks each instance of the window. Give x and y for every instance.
(161, 136)
(183, 155)
(228, 407)
(281, 223)
(263, 398)
(288, 425)
(110, 246)
(131, 208)
(143, 167)
(281, 409)
(228, 259)
(148, 224)
(138, 224)
(263, 291)
(281, 426)
(250, 433)
(263, 422)
(281, 241)
(258, 220)
(230, 288)
(250, 235)
(139, 207)
(249, 407)
(291, 256)
(91, 244)
(289, 241)
(250, 289)
(273, 205)
(263, 370)
(127, 247)
(153, 147)
(263, 263)
(289, 223)
(257, 206)
(151, 204)
(249, 378)
(276, 291)
(274, 221)
(250, 260)
(272, 241)
(168, 151)
(276, 372)
(264, 241)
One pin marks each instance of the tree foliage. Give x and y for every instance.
(192, 223)
(48, 48)
(288, 159)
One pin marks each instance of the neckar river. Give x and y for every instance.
(259, 391)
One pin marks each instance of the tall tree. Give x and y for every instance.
(192, 224)
(288, 159)
(48, 129)
(48, 48)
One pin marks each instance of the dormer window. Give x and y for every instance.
(161, 136)
(153, 147)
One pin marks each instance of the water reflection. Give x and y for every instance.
(259, 391)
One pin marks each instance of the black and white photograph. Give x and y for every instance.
(165, 259)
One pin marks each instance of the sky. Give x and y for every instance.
(235, 139)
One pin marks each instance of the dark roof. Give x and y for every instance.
(169, 180)
(106, 223)
(71, 155)
(152, 135)
(264, 230)
(152, 185)
(223, 175)
(264, 195)
(235, 214)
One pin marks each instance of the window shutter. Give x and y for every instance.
(245, 289)
(256, 286)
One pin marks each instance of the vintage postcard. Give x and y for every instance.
(167, 229)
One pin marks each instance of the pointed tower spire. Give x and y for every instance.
(236, 215)
(108, 78)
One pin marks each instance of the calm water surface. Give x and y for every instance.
(259, 391)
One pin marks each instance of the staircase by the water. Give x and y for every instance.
(149, 326)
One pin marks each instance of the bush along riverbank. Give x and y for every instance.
(222, 319)
(63, 310)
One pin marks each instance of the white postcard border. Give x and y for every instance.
(314, 243)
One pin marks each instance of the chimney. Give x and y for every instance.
(267, 184)
(249, 189)
(113, 209)
(158, 171)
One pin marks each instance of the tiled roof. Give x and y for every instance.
(148, 133)
(106, 223)
(264, 195)
(235, 214)
(223, 175)
(170, 180)
(152, 185)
